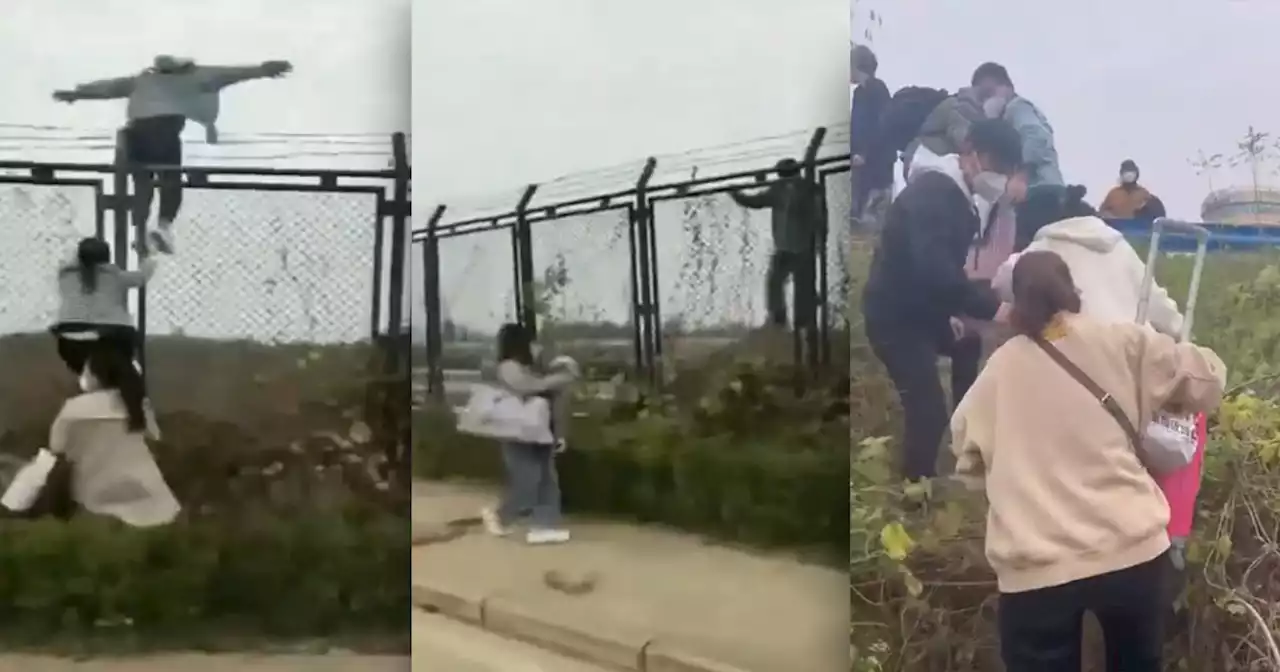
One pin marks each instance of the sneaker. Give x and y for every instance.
(161, 239)
(492, 524)
(539, 536)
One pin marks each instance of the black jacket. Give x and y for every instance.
(917, 278)
(869, 103)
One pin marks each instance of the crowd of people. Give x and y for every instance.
(989, 257)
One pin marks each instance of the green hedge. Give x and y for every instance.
(751, 463)
(203, 584)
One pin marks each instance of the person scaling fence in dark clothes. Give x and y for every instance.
(793, 202)
(161, 99)
(917, 289)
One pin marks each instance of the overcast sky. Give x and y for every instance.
(508, 92)
(1153, 80)
(348, 93)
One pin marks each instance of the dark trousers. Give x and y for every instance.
(799, 268)
(910, 355)
(1041, 630)
(156, 141)
(75, 352)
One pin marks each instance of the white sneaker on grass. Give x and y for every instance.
(492, 524)
(539, 536)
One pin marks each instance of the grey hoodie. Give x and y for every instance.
(947, 126)
(191, 92)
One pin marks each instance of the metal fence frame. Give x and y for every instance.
(811, 336)
(392, 213)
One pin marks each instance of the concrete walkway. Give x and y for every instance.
(441, 644)
(618, 593)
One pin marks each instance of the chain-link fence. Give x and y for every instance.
(645, 280)
(285, 296)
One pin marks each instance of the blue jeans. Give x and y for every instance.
(532, 485)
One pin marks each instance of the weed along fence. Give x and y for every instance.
(658, 269)
(284, 299)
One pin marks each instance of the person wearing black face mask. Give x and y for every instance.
(917, 288)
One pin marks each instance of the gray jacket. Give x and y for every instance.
(1039, 153)
(191, 93)
(947, 126)
(108, 304)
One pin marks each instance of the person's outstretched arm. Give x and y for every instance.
(216, 77)
(146, 268)
(102, 89)
(1175, 377)
(760, 199)
(521, 381)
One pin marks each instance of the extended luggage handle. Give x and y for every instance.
(1201, 234)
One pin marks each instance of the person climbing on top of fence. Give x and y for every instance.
(793, 202)
(161, 99)
(93, 304)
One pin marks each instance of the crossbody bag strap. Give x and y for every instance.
(1108, 402)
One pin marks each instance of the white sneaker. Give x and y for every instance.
(161, 239)
(492, 524)
(546, 536)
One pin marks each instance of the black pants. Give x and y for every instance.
(75, 352)
(156, 141)
(799, 267)
(1041, 630)
(910, 355)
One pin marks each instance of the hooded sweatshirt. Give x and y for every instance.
(947, 126)
(1069, 497)
(1107, 272)
(917, 277)
(997, 231)
(191, 92)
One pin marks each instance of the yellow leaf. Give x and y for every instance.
(1223, 546)
(913, 585)
(896, 542)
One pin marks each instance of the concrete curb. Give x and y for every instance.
(620, 649)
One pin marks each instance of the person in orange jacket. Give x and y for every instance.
(1127, 200)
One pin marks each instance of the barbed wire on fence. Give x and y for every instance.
(711, 253)
(746, 154)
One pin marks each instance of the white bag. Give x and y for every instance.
(497, 414)
(1169, 444)
(29, 481)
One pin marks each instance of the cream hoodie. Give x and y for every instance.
(1106, 269)
(1069, 498)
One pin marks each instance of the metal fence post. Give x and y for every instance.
(433, 307)
(399, 210)
(122, 215)
(805, 294)
(644, 289)
(524, 245)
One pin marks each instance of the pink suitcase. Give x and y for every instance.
(1183, 486)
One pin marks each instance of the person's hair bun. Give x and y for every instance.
(1076, 192)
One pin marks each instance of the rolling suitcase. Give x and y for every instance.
(1181, 487)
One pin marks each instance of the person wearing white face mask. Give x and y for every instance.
(917, 288)
(1126, 199)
